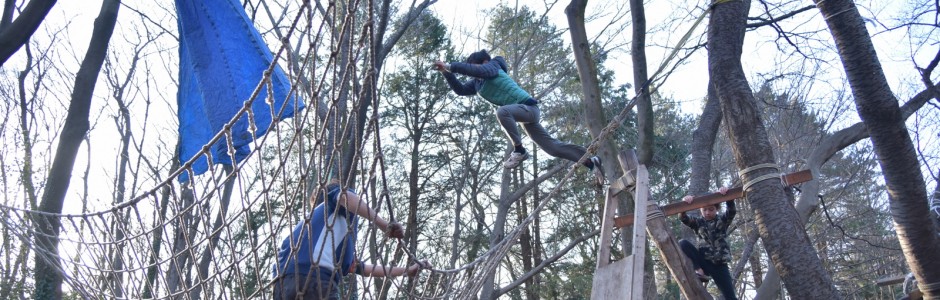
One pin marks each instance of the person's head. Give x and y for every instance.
(478, 57)
(321, 194)
(710, 212)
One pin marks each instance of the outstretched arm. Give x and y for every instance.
(731, 212)
(688, 221)
(354, 204)
(486, 70)
(460, 88)
(383, 271)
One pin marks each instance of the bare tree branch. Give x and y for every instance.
(18, 33)
(772, 19)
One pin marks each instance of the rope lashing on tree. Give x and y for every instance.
(750, 169)
(934, 286)
(654, 212)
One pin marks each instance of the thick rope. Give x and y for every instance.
(754, 181)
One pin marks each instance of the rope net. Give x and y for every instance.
(216, 236)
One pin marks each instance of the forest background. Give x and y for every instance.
(443, 152)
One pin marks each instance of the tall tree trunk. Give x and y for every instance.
(935, 205)
(214, 235)
(489, 290)
(594, 114)
(380, 48)
(48, 275)
(701, 150)
(825, 149)
(644, 107)
(785, 240)
(878, 109)
(182, 254)
(17, 33)
(644, 103)
(526, 248)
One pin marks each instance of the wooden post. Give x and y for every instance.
(622, 279)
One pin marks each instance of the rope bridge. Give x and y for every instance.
(215, 235)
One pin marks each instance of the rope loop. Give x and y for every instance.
(754, 181)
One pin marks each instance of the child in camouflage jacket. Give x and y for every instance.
(711, 255)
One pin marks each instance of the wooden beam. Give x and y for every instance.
(712, 199)
(890, 280)
(678, 264)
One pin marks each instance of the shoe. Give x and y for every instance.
(598, 170)
(514, 159)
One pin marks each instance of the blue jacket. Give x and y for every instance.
(490, 80)
(309, 239)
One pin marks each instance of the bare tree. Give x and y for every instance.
(787, 243)
(48, 275)
(594, 109)
(879, 110)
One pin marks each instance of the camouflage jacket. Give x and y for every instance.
(711, 234)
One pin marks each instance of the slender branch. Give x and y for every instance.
(545, 263)
(772, 20)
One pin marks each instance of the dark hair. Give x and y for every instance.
(716, 205)
(320, 196)
(478, 57)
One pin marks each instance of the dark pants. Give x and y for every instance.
(718, 272)
(315, 286)
(529, 115)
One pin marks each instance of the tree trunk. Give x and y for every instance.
(878, 109)
(17, 33)
(703, 144)
(644, 103)
(825, 149)
(380, 48)
(935, 205)
(489, 290)
(785, 240)
(594, 110)
(182, 254)
(48, 275)
(213, 237)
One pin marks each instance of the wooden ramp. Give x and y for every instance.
(624, 279)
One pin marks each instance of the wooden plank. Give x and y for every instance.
(609, 281)
(628, 165)
(639, 232)
(607, 228)
(713, 198)
(890, 280)
(678, 264)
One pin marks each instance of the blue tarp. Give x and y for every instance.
(222, 60)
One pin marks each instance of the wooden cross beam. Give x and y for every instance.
(890, 280)
(714, 198)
